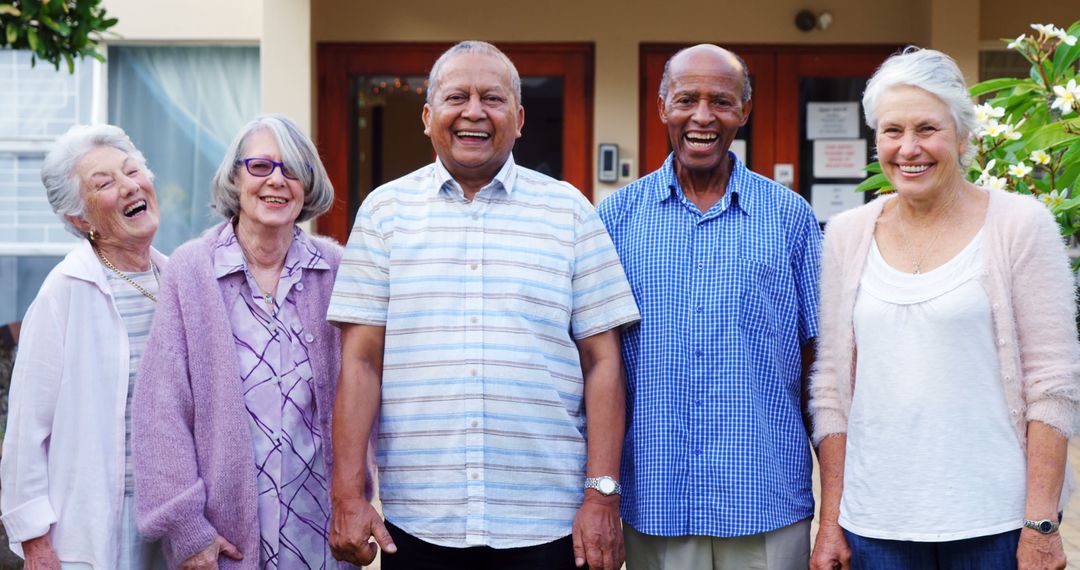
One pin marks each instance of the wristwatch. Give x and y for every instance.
(604, 484)
(1045, 526)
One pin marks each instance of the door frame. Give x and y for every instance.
(775, 117)
(337, 63)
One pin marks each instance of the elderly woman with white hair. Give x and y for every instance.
(946, 384)
(67, 478)
(232, 415)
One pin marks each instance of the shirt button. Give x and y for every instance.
(474, 423)
(472, 372)
(473, 267)
(697, 402)
(1001, 341)
(1014, 412)
(701, 266)
(697, 451)
(476, 216)
(474, 320)
(474, 476)
(299, 286)
(309, 337)
(698, 353)
(700, 309)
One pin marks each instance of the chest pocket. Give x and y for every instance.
(757, 316)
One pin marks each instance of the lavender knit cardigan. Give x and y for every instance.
(194, 465)
(1032, 300)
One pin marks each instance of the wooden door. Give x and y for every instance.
(357, 125)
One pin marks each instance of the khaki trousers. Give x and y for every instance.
(786, 548)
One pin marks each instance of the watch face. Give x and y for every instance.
(606, 486)
(1045, 527)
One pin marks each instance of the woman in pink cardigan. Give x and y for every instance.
(946, 384)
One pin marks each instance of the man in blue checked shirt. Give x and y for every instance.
(480, 304)
(724, 266)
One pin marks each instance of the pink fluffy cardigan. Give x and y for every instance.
(1032, 298)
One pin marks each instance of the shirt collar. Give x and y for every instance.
(738, 187)
(229, 256)
(505, 178)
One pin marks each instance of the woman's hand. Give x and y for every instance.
(39, 554)
(830, 549)
(207, 558)
(1038, 551)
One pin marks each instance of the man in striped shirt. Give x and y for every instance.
(480, 304)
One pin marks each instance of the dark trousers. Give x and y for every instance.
(415, 554)
(993, 552)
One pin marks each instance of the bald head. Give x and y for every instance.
(693, 56)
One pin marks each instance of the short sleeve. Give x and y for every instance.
(601, 294)
(805, 271)
(362, 287)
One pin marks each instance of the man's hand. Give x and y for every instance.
(597, 534)
(352, 522)
(831, 550)
(39, 554)
(207, 558)
(1037, 551)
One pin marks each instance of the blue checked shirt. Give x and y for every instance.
(482, 425)
(715, 442)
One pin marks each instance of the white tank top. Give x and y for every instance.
(931, 452)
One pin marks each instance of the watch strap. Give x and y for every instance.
(1045, 526)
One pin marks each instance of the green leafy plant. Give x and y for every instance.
(54, 30)
(1028, 139)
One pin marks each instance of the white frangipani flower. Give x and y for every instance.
(1053, 198)
(1045, 30)
(1067, 97)
(985, 112)
(1019, 170)
(1040, 157)
(995, 183)
(1017, 42)
(1064, 37)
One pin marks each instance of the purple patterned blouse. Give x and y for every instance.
(279, 394)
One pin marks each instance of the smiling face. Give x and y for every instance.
(704, 108)
(121, 203)
(917, 142)
(473, 118)
(272, 201)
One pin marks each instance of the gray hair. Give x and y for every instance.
(297, 152)
(59, 171)
(665, 79)
(933, 72)
(472, 46)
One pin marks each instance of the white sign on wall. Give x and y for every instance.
(831, 199)
(840, 158)
(832, 120)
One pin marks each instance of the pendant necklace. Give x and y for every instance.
(917, 261)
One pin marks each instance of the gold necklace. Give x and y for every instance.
(130, 281)
(916, 262)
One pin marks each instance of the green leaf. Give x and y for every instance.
(70, 63)
(876, 182)
(873, 167)
(994, 85)
(10, 10)
(12, 34)
(1064, 57)
(32, 39)
(1052, 135)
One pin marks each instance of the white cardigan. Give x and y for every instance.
(63, 453)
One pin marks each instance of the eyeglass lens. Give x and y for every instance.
(265, 167)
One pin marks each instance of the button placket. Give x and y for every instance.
(472, 371)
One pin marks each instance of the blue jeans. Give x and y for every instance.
(993, 552)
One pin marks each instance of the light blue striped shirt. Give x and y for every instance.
(482, 429)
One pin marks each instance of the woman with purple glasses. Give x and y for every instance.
(232, 421)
